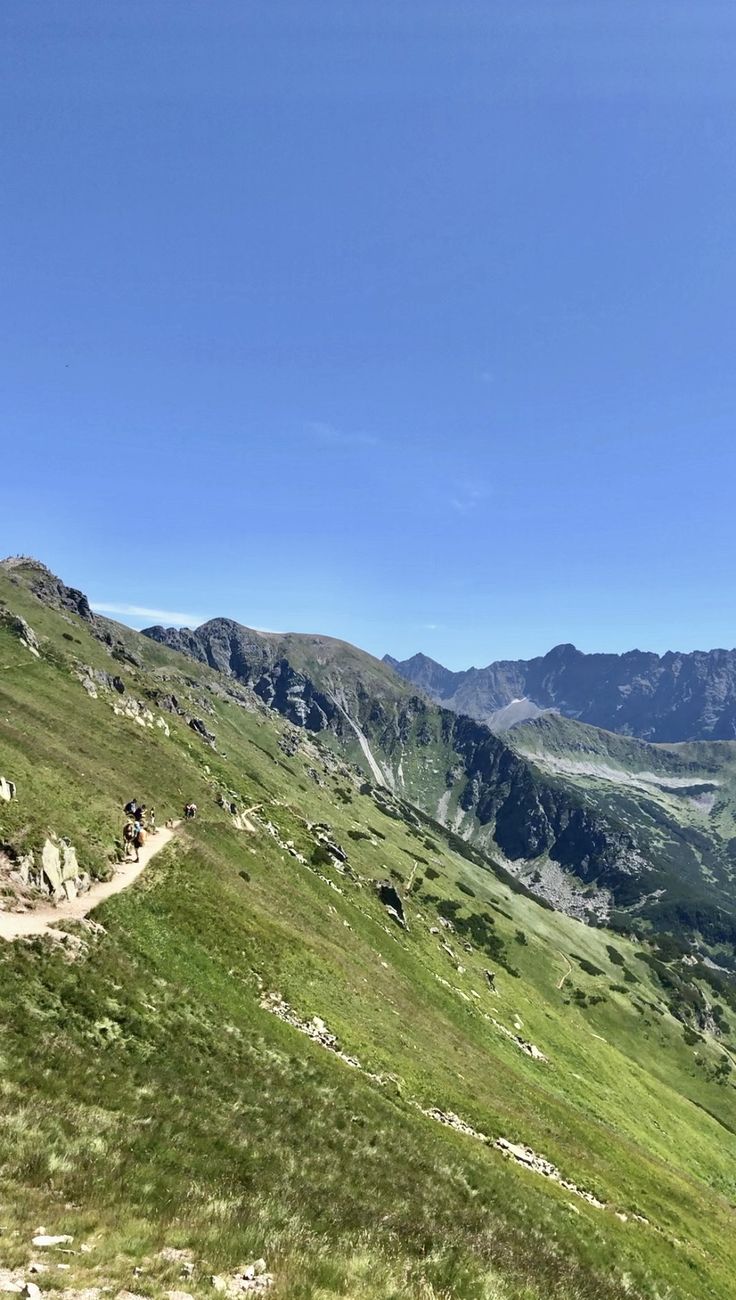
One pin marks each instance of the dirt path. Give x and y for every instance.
(18, 925)
(568, 972)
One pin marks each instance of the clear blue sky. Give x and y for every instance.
(404, 321)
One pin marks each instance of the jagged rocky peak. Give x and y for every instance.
(47, 586)
(663, 698)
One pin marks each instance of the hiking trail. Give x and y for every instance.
(568, 972)
(20, 925)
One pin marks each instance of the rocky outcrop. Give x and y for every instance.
(7, 789)
(391, 899)
(198, 725)
(54, 872)
(20, 629)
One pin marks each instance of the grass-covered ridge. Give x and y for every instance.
(151, 1099)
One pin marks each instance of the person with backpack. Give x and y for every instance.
(140, 838)
(129, 834)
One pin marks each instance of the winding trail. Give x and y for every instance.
(20, 925)
(568, 972)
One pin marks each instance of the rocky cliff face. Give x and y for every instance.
(488, 792)
(665, 698)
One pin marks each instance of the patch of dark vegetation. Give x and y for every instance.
(587, 966)
(320, 856)
(584, 999)
(686, 1000)
(521, 938)
(431, 874)
(379, 835)
(478, 928)
(244, 876)
(359, 835)
(465, 889)
(614, 955)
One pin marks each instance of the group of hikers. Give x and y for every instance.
(142, 821)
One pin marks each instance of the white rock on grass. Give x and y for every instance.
(43, 1241)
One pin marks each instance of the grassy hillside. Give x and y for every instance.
(153, 1099)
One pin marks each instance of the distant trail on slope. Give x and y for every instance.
(19, 925)
(568, 972)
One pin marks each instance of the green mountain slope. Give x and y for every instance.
(171, 1081)
(639, 852)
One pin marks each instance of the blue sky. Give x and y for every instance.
(412, 323)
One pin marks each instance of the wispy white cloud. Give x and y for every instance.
(328, 434)
(468, 496)
(430, 627)
(142, 611)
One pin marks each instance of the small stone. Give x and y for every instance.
(31, 1291)
(44, 1241)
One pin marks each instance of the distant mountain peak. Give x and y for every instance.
(666, 698)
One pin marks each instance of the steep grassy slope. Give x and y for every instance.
(151, 1100)
(646, 853)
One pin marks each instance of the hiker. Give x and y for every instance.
(140, 839)
(131, 807)
(152, 821)
(129, 833)
(190, 810)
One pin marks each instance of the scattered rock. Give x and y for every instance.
(529, 1049)
(525, 1156)
(44, 1241)
(197, 725)
(316, 1029)
(176, 1255)
(7, 789)
(31, 1291)
(23, 631)
(451, 1120)
(250, 1280)
(391, 900)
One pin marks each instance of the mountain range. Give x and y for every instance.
(409, 1008)
(598, 826)
(669, 697)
